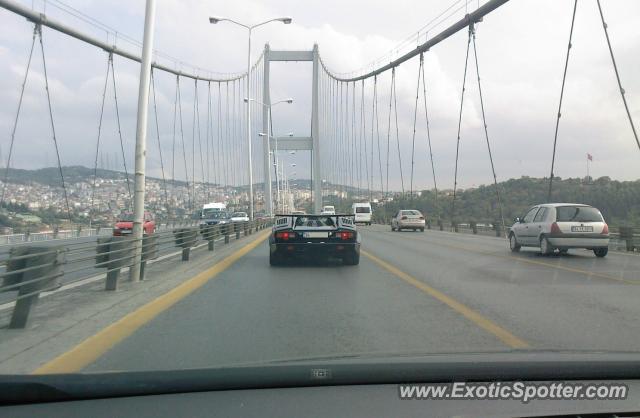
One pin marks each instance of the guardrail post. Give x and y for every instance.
(113, 253)
(186, 238)
(454, 226)
(474, 227)
(56, 229)
(498, 228)
(236, 228)
(428, 223)
(149, 251)
(227, 229)
(209, 234)
(36, 269)
(626, 235)
(441, 225)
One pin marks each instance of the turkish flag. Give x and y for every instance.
(589, 157)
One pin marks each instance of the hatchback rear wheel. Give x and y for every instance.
(600, 252)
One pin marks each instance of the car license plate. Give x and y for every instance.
(315, 234)
(126, 231)
(581, 229)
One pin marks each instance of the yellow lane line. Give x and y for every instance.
(95, 346)
(475, 317)
(535, 262)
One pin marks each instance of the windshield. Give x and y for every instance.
(363, 179)
(578, 214)
(125, 217)
(214, 214)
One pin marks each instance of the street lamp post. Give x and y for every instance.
(215, 20)
(268, 136)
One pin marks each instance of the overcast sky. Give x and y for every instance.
(521, 49)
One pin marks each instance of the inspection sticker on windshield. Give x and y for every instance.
(521, 391)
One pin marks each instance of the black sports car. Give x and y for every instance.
(314, 236)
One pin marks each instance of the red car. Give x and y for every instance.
(124, 225)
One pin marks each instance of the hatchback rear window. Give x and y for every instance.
(362, 209)
(578, 214)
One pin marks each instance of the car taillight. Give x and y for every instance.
(605, 229)
(344, 235)
(555, 229)
(285, 235)
(403, 218)
(422, 218)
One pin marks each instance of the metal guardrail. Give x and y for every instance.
(74, 233)
(28, 270)
(623, 238)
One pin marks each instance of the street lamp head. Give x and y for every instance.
(246, 100)
(262, 134)
(290, 133)
(214, 19)
(289, 100)
(285, 20)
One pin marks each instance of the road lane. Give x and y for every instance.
(253, 312)
(553, 303)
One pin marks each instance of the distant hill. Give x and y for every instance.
(619, 201)
(51, 175)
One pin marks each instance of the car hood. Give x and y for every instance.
(349, 369)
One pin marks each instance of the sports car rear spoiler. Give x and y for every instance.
(288, 220)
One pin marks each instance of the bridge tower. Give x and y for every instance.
(311, 143)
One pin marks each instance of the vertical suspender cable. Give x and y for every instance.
(564, 77)
(193, 142)
(155, 113)
(364, 135)
(486, 133)
(203, 184)
(173, 145)
(15, 122)
(426, 115)
(124, 159)
(375, 112)
(208, 134)
(615, 68)
(95, 165)
(53, 128)
(413, 138)
(395, 111)
(184, 149)
(455, 177)
(393, 78)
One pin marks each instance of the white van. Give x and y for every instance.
(208, 209)
(362, 212)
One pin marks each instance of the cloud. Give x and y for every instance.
(521, 48)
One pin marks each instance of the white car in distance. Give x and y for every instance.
(239, 217)
(328, 210)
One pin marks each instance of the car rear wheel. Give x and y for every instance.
(393, 228)
(513, 243)
(563, 250)
(545, 246)
(600, 252)
(274, 260)
(352, 259)
(421, 229)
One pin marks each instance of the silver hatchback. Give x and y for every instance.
(561, 226)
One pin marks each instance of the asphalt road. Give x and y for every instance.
(413, 292)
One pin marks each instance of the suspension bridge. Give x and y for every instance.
(434, 292)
